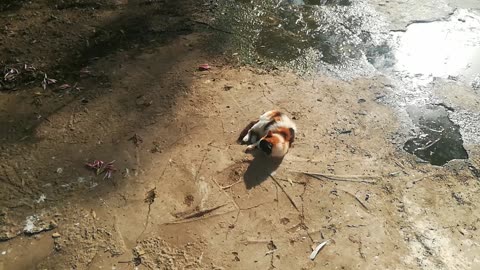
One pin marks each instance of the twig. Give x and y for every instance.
(423, 178)
(231, 185)
(204, 212)
(302, 216)
(202, 217)
(226, 194)
(201, 165)
(428, 145)
(314, 253)
(357, 199)
(343, 178)
(258, 241)
(292, 181)
(286, 194)
(253, 207)
(149, 198)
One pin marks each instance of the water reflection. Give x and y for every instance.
(441, 48)
(447, 49)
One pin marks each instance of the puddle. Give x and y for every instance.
(418, 59)
(438, 139)
(298, 33)
(449, 48)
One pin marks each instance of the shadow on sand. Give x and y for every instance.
(260, 168)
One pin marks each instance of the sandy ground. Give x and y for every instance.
(184, 195)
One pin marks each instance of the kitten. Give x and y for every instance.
(273, 133)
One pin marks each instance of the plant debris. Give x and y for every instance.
(150, 196)
(271, 248)
(199, 214)
(343, 178)
(317, 249)
(15, 73)
(10, 74)
(101, 167)
(204, 67)
(136, 139)
(47, 81)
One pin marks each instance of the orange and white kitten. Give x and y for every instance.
(273, 133)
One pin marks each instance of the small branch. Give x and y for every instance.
(150, 198)
(292, 181)
(202, 217)
(231, 185)
(286, 194)
(201, 165)
(342, 178)
(357, 199)
(423, 178)
(203, 212)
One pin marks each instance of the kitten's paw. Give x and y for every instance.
(246, 139)
(249, 148)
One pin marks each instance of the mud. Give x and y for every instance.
(184, 195)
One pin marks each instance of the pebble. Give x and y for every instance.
(56, 235)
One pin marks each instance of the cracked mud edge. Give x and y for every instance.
(439, 19)
(29, 231)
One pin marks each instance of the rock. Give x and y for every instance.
(34, 225)
(56, 235)
(4, 236)
(138, 252)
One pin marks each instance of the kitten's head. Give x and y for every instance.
(273, 145)
(265, 146)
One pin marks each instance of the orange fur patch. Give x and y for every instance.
(274, 115)
(273, 140)
(285, 132)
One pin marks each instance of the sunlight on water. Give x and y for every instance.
(442, 48)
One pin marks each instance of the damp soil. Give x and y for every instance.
(119, 81)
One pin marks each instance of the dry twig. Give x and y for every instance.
(200, 215)
(344, 178)
(286, 194)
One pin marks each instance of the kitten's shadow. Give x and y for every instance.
(260, 169)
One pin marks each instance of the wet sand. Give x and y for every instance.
(184, 194)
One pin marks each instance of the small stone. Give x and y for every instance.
(59, 170)
(56, 235)
(52, 225)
